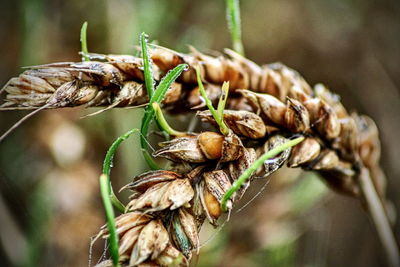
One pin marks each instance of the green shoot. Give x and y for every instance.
(222, 99)
(147, 67)
(219, 119)
(163, 122)
(107, 164)
(157, 97)
(257, 164)
(84, 49)
(105, 189)
(233, 18)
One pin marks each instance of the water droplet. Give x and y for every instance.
(146, 37)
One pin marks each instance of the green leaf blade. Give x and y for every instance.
(147, 67)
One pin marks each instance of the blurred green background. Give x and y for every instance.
(49, 196)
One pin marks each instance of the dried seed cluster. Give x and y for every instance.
(267, 105)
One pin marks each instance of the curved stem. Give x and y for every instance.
(163, 122)
(257, 164)
(107, 164)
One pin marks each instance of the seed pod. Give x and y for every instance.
(152, 241)
(172, 194)
(167, 59)
(323, 118)
(292, 78)
(211, 144)
(252, 69)
(232, 148)
(195, 100)
(27, 83)
(197, 205)
(172, 257)
(86, 94)
(125, 222)
(271, 83)
(297, 118)
(182, 149)
(304, 152)
(369, 145)
(326, 160)
(241, 122)
(201, 148)
(217, 182)
(331, 99)
(173, 94)
(104, 74)
(146, 180)
(347, 141)
(297, 92)
(269, 107)
(211, 190)
(128, 240)
(211, 206)
(130, 65)
(220, 69)
(275, 163)
(54, 76)
(236, 169)
(239, 103)
(184, 232)
(131, 93)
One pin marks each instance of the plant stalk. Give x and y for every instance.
(379, 218)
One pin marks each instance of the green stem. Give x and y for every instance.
(163, 122)
(107, 164)
(113, 239)
(83, 39)
(233, 18)
(218, 119)
(257, 164)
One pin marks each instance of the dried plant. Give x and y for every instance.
(161, 222)
(272, 116)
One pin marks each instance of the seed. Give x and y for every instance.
(304, 152)
(211, 144)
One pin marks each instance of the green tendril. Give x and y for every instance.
(107, 164)
(163, 122)
(257, 164)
